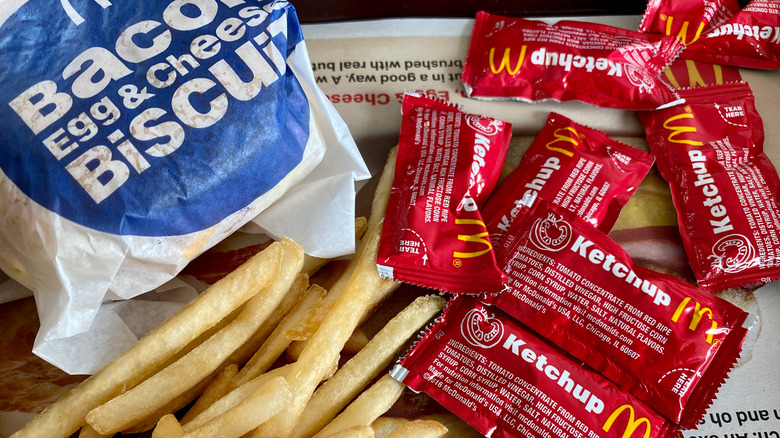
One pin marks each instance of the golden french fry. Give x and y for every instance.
(88, 432)
(267, 400)
(294, 351)
(354, 375)
(278, 341)
(354, 432)
(68, 413)
(290, 299)
(168, 427)
(455, 426)
(384, 425)
(361, 226)
(419, 429)
(382, 190)
(372, 403)
(131, 407)
(216, 388)
(313, 264)
(325, 345)
(233, 398)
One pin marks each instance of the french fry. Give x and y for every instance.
(294, 351)
(131, 407)
(88, 432)
(267, 400)
(372, 403)
(354, 375)
(384, 425)
(455, 426)
(278, 341)
(168, 427)
(354, 432)
(216, 388)
(290, 299)
(325, 345)
(382, 191)
(68, 413)
(419, 429)
(361, 226)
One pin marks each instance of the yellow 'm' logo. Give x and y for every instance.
(682, 35)
(565, 135)
(478, 238)
(632, 424)
(695, 79)
(505, 61)
(696, 316)
(680, 130)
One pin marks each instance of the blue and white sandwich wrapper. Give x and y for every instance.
(136, 135)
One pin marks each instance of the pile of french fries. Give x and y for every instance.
(211, 370)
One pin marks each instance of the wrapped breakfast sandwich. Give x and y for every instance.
(137, 135)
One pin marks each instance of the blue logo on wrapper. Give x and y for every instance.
(150, 118)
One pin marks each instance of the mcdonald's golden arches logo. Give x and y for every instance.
(680, 130)
(506, 61)
(632, 424)
(564, 135)
(481, 238)
(696, 315)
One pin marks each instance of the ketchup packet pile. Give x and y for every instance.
(748, 38)
(597, 64)
(724, 187)
(574, 166)
(507, 382)
(448, 163)
(667, 342)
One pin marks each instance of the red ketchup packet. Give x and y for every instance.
(724, 187)
(663, 340)
(514, 58)
(749, 39)
(686, 20)
(505, 381)
(448, 163)
(573, 166)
